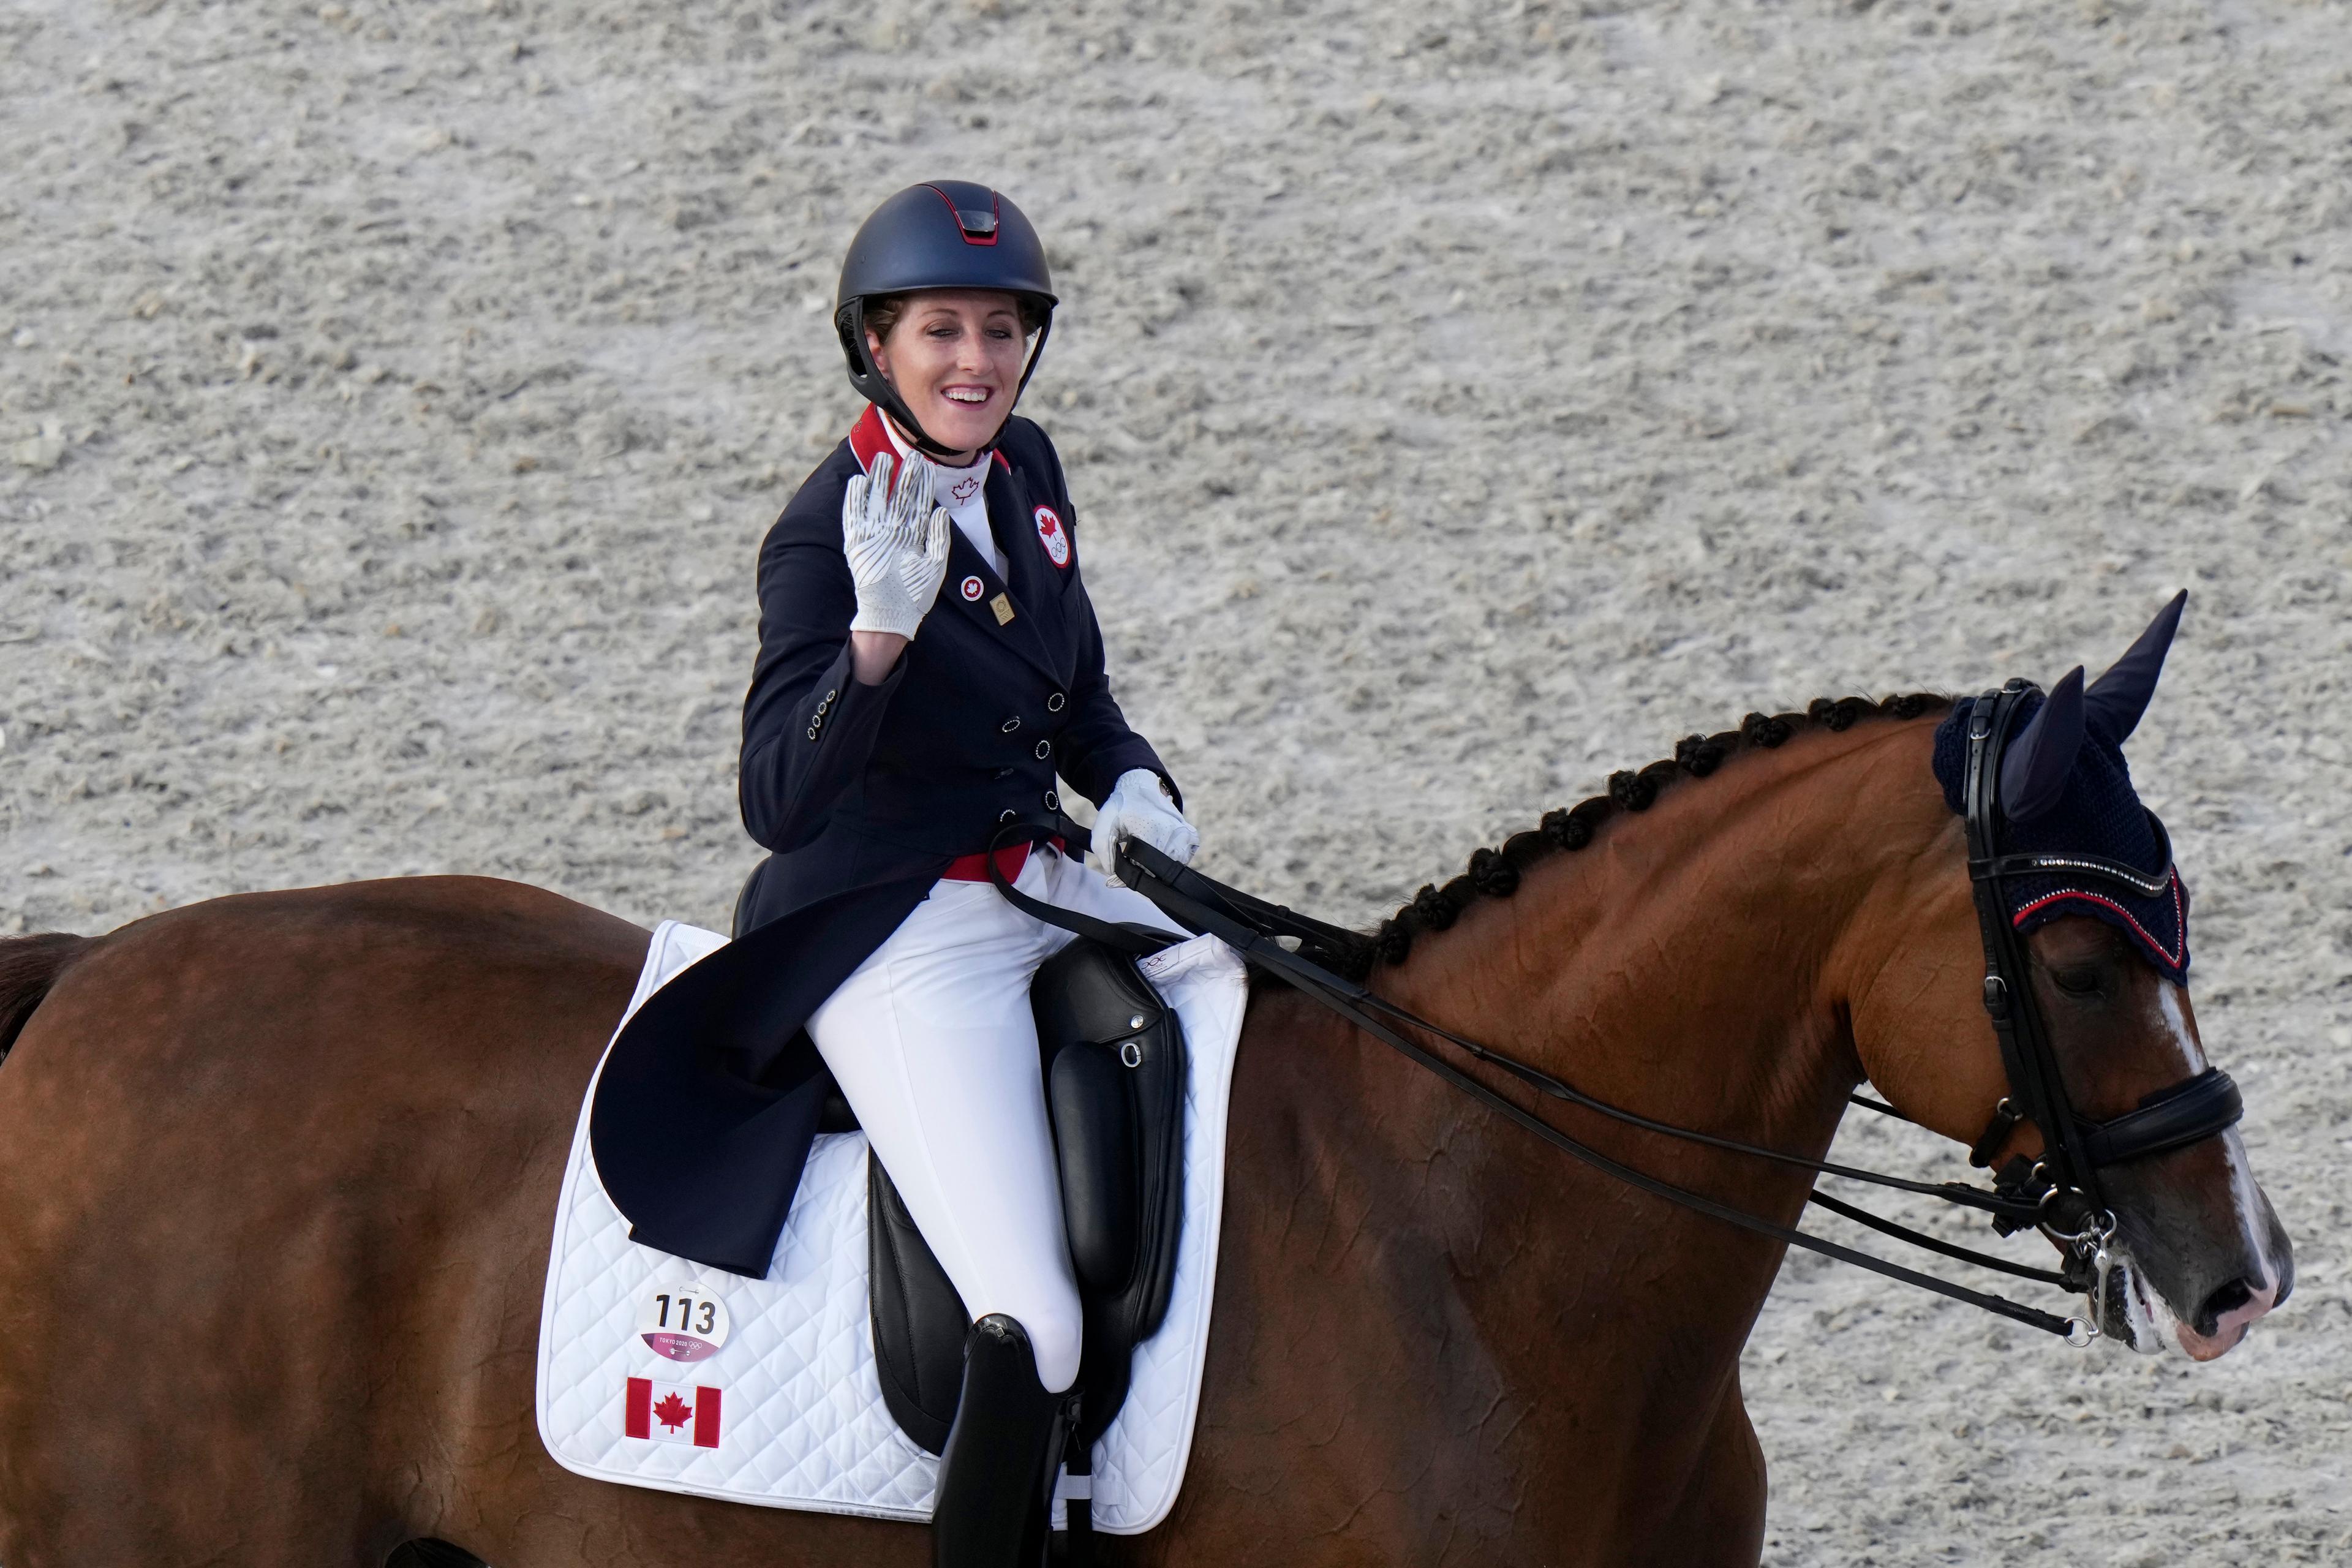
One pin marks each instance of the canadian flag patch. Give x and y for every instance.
(1056, 537)
(671, 1413)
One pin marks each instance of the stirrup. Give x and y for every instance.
(993, 1504)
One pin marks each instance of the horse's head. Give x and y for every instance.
(2099, 918)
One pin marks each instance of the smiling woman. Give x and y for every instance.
(897, 733)
(930, 244)
(957, 363)
(954, 355)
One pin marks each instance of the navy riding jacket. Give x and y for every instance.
(862, 794)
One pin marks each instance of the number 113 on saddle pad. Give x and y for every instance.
(685, 1322)
(657, 1373)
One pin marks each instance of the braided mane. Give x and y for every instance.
(1495, 873)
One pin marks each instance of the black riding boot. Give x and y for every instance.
(992, 1503)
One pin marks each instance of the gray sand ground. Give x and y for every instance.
(1461, 402)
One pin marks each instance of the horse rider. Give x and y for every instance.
(929, 662)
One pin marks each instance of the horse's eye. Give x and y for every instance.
(2078, 979)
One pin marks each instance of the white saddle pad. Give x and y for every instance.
(655, 1373)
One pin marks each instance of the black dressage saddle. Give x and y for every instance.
(1112, 1055)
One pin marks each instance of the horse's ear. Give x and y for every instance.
(2035, 769)
(2113, 705)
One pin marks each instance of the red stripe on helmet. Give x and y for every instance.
(955, 214)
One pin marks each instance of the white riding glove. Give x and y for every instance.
(897, 543)
(1139, 807)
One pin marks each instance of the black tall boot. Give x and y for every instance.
(992, 1473)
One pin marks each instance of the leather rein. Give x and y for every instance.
(2058, 1195)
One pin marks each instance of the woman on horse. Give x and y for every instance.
(928, 661)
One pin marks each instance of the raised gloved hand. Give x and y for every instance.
(1139, 807)
(897, 541)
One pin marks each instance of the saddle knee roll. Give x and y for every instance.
(1114, 1061)
(1094, 1123)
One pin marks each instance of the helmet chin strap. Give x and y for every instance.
(876, 388)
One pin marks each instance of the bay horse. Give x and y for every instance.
(277, 1175)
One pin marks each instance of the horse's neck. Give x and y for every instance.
(1680, 967)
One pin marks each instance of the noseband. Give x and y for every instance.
(2064, 1185)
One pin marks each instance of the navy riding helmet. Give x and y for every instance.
(947, 234)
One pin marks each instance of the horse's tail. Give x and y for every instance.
(29, 966)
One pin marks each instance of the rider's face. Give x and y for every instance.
(955, 356)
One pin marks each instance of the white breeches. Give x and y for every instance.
(936, 1049)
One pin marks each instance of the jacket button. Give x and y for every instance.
(1007, 815)
(1054, 703)
(1045, 750)
(1010, 724)
(834, 693)
(1053, 800)
(811, 732)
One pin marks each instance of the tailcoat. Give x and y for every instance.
(863, 796)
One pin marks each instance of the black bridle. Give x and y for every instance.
(2058, 1195)
(2064, 1183)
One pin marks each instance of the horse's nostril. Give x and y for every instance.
(2226, 1300)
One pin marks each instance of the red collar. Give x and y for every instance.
(868, 440)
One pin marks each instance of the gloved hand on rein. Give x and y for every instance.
(897, 541)
(1139, 807)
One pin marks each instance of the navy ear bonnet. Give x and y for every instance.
(2096, 813)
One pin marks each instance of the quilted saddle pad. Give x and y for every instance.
(653, 1372)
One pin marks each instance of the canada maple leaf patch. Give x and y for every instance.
(671, 1411)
